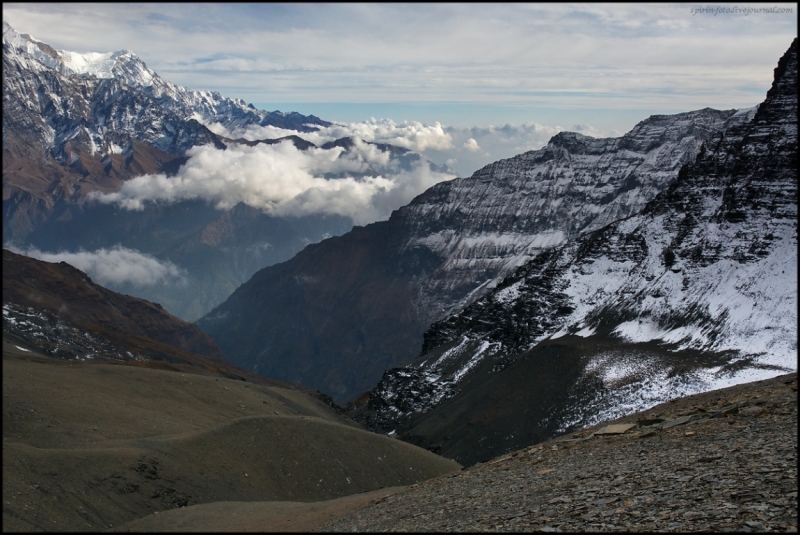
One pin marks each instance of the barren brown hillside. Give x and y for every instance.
(90, 446)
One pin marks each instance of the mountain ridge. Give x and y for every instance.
(697, 291)
(77, 128)
(67, 295)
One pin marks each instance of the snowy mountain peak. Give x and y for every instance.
(24, 44)
(122, 64)
(97, 101)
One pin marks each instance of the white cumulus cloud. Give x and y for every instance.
(117, 265)
(468, 148)
(472, 145)
(412, 135)
(282, 180)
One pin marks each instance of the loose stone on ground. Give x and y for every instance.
(719, 461)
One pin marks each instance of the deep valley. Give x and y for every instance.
(596, 335)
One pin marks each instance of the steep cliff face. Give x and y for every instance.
(508, 212)
(377, 289)
(697, 291)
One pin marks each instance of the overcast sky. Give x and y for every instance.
(594, 68)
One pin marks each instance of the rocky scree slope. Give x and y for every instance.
(712, 462)
(341, 312)
(696, 292)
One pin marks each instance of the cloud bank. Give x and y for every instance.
(465, 149)
(545, 56)
(363, 183)
(411, 135)
(114, 266)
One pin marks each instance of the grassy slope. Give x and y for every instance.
(91, 446)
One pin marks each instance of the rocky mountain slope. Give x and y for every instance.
(697, 291)
(510, 211)
(342, 311)
(61, 312)
(94, 103)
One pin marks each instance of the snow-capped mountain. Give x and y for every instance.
(342, 312)
(104, 99)
(696, 292)
(509, 211)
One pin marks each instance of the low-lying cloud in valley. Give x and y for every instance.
(363, 183)
(465, 149)
(114, 266)
(411, 135)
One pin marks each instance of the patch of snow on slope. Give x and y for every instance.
(644, 330)
(476, 358)
(509, 294)
(561, 332)
(634, 384)
(586, 331)
(617, 367)
(450, 353)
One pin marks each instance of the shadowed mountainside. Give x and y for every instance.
(342, 311)
(61, 292)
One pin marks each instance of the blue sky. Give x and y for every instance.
(596, 68)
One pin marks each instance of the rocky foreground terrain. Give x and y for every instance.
(97, 446)
(724, 460)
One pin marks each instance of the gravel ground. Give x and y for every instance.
(719, 461)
